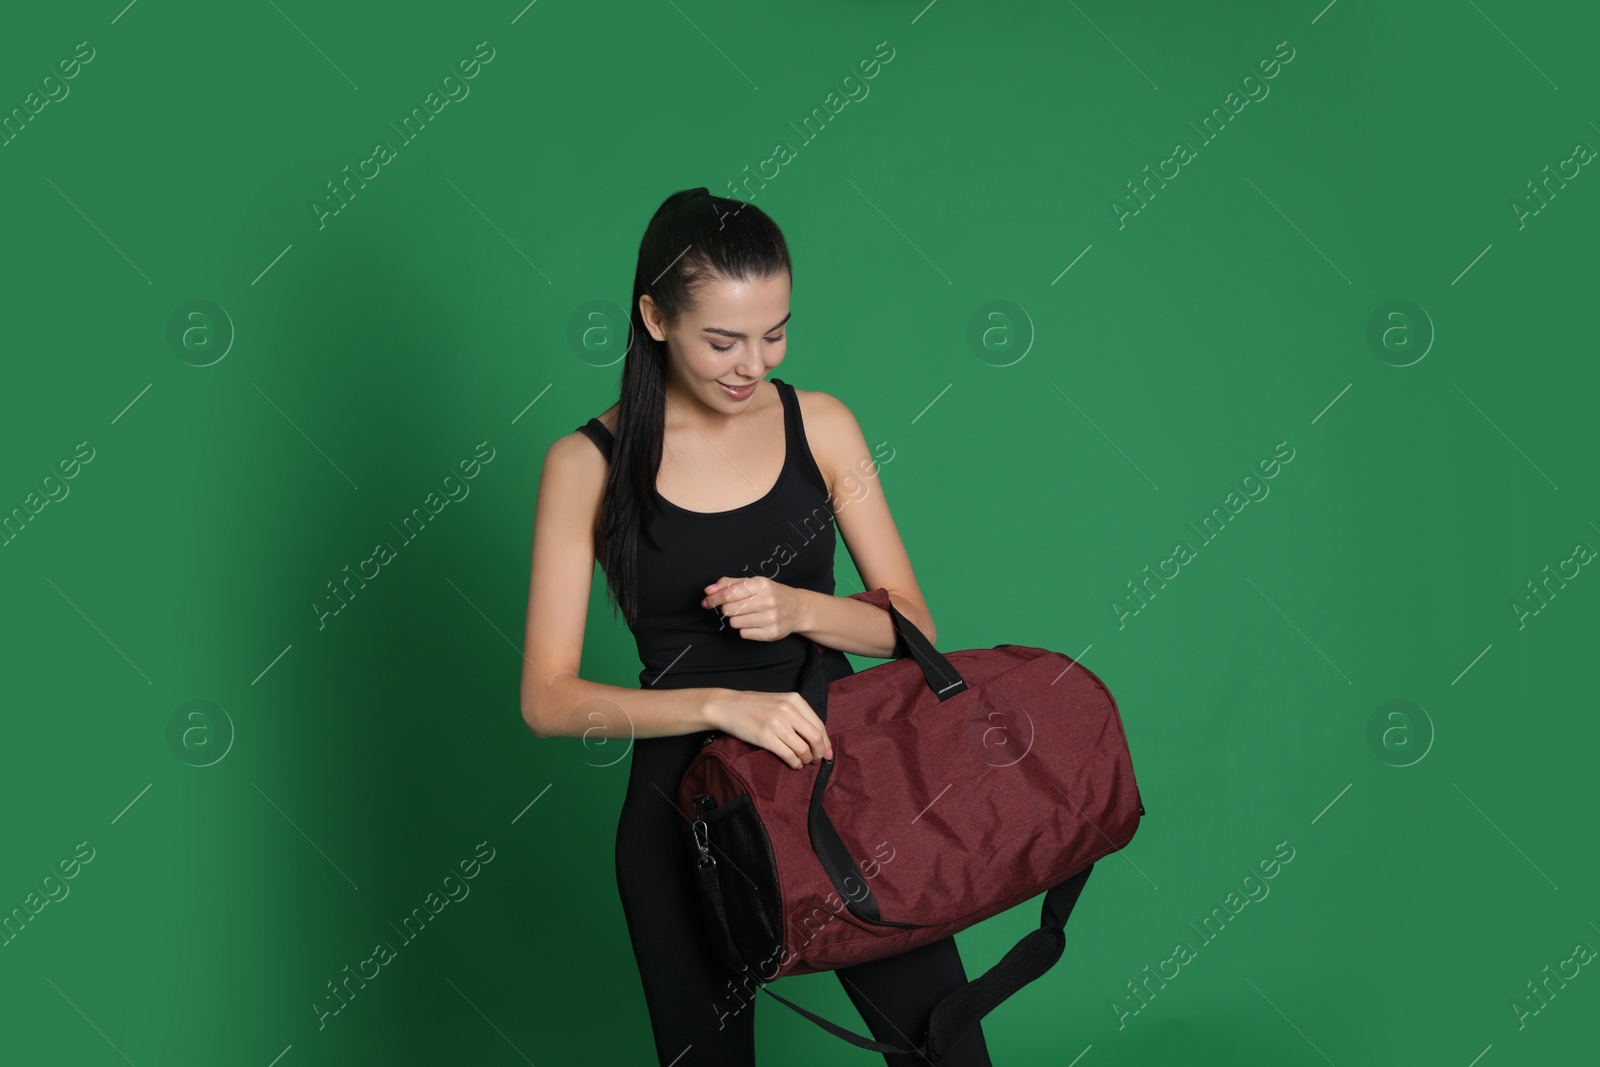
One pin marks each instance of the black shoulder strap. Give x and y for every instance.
(596, 431)
(962, 1008)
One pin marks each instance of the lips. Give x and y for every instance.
(743, 392)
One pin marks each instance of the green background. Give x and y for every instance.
(350, 765)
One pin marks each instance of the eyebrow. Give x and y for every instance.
(744, 336)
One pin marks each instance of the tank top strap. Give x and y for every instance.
(798, 452)
(596, 431)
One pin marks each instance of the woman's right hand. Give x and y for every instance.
(781, 723)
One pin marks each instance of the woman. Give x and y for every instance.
(709, 508)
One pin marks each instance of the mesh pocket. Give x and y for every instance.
(748, 876)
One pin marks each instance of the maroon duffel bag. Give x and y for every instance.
(959, 786)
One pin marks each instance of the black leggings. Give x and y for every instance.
(701, 1013)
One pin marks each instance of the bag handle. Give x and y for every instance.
(942, 678)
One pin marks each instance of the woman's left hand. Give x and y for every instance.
(759, 608)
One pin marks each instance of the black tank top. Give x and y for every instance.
(787, 535)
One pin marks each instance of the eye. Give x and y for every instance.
(729, 347)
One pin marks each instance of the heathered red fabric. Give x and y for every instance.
(954, 810)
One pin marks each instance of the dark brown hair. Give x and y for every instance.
(693, 238)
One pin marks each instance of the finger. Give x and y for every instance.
(817, 738)
(750, 629)
(753, 625)
(827, 742)
(806, 709)
(730, 602)
(797, 747)
(812, 727)
(792, 749)
(815, 746)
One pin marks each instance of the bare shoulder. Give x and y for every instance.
(831, 431)
(576, 451)
(574, 466)
(818, 406)
(827, 418)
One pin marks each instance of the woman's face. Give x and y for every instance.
(734, 335)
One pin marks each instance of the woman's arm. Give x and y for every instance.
(861, 513)
(856, 626)
(556, 702)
